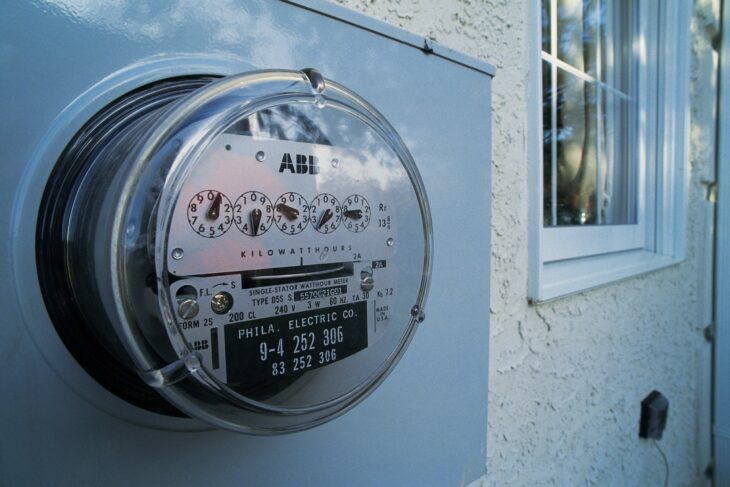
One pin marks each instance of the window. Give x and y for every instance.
(609, 168)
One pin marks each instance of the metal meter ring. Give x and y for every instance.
(73, 323)
(256, 331)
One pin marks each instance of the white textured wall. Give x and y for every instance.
(566, 378)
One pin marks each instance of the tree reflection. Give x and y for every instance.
(589, 124)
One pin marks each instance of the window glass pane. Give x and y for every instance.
(590, 176)
(547, 143)
(546, 25)
(618, 172)
(616, 36)
(578, 27)
(577, 155)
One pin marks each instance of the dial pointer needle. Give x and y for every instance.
(353, 214)
(215, 208)
(289, 212)
(255, 220)
(326, 216)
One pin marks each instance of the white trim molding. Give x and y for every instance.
(570, 259)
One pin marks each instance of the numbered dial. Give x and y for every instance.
(253, 213)
(291, 213)
(356, 213)
(210, 213)
(325, 213)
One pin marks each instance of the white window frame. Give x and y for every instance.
(568, 259)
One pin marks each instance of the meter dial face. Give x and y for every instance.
(253, 213)
(291, 213)
(326, 213)
(356, 213)
(210, 213)
(275, 307)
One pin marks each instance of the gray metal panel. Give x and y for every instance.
(425, 425)
(394, 33)
(722, 271)
(722, 458)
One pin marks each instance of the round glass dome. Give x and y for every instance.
(256, 248)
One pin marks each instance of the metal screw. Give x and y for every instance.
(177, 253)
(390, 242)
(418, 313)
(367, 283)
(221, 303)
(261, 156)
(188, 309)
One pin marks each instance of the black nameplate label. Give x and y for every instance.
(279, 347)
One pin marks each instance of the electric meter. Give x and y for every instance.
(252, 251)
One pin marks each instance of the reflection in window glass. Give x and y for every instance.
(547, 143)
(546, 25)
(577, 33)
(588, 115)
(618, 174)
(576, 152)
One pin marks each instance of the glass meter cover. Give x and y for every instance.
(255, 248)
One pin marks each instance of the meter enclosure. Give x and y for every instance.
(252, 251)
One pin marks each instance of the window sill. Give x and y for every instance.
(566, 277)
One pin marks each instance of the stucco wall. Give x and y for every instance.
(566, 378)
